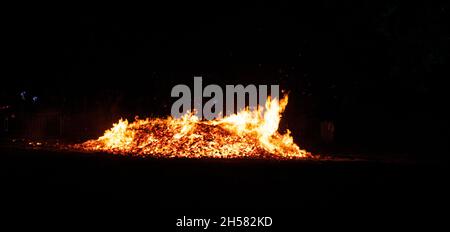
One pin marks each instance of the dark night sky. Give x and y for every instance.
(377, 68)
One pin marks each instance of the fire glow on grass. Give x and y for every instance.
(245, 134)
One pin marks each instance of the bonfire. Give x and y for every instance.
(248, 133)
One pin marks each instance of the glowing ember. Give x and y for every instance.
(245, 134)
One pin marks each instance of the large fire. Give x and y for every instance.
(245, 134)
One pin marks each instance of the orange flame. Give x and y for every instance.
(245, 134)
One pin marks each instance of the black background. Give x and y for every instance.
(377, 69)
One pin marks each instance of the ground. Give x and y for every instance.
(65, 179)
